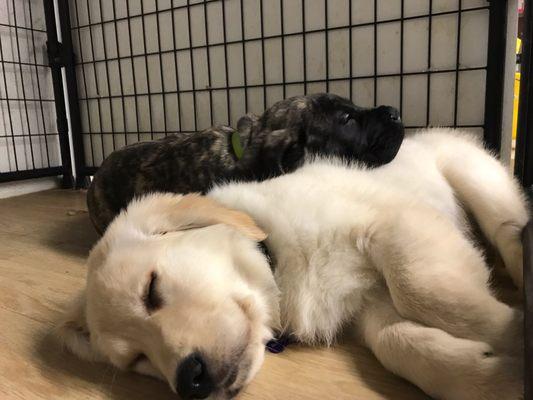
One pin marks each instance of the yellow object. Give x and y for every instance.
(516, 91)
(515, 106)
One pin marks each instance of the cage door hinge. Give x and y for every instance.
(58, 56)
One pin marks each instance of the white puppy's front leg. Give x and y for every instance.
(442, 365)
(438, 278)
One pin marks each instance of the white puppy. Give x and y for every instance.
(178, 287)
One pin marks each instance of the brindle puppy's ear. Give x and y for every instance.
(246, 127)
(165, 212)
(246, 124)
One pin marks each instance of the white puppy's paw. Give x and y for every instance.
(510, 247)
(505, 378)
(491, 378)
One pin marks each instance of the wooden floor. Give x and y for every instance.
(44, 239)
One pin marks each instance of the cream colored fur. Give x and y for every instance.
(386, 251)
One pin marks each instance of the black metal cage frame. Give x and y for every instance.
(24, 101)
(94, 135)
(62, 57)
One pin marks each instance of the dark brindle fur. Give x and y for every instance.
(275, 143)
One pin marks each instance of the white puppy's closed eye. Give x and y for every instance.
(152, 298)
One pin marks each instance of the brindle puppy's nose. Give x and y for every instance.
(394, 114)
(386, 113)
(192, 378)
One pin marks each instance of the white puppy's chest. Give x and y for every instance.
(318, 244)
(323, 282)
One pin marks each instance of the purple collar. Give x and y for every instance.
(276, 346)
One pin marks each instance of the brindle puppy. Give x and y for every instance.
(275, 143)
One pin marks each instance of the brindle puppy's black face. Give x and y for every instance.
(338, 127)
(323, 124)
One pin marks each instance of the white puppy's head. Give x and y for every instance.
(178, 289)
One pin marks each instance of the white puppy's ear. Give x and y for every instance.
(72, 329)
(73, 332)
(98, 252)
(159, 213)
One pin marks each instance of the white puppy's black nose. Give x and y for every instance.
(192, 378)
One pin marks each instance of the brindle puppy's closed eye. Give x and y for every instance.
(345, 118)
(152, 300)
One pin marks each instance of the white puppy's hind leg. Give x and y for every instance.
(487, 189)
(442, 365)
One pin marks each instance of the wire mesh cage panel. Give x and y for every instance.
(147, 69)
(29, 139)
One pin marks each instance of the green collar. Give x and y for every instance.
(237, 145)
